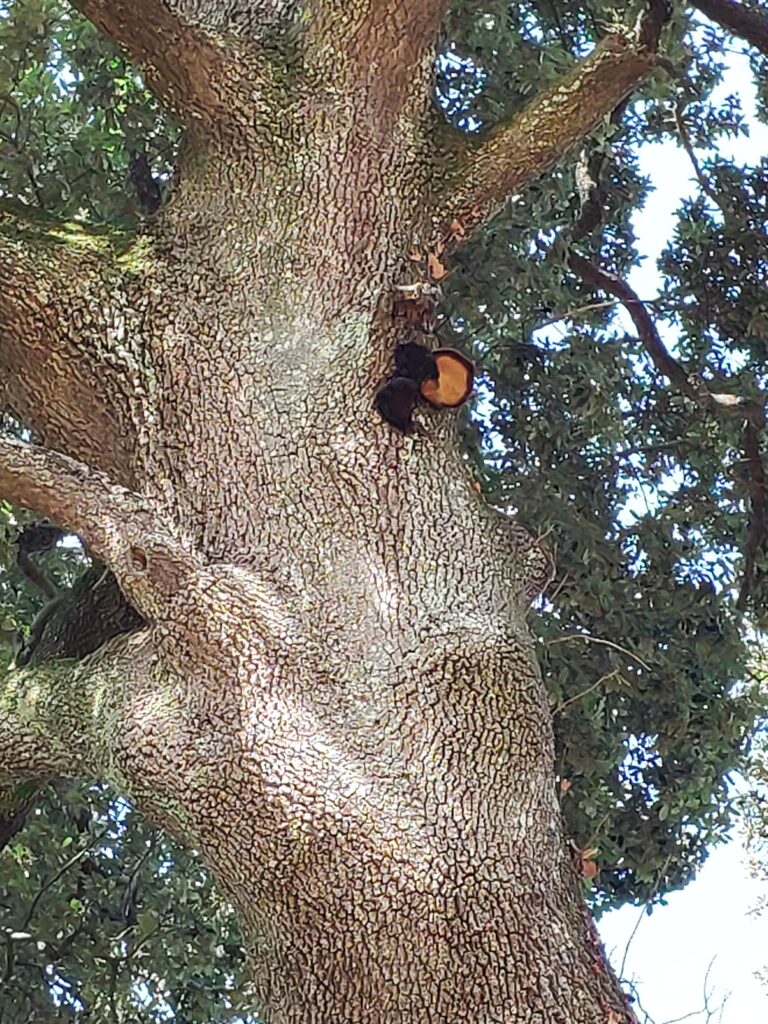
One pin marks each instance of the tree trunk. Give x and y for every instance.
(336, 698)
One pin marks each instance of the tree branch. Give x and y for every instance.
(57, 374)
(723, 405)
(149, 558)
(85, 719)
(81, 499)
(382, 43)
(741, 21)
(184, 65)
(46, 720)
(508, 156)
(727, 406)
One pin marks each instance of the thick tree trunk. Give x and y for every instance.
(336, 699)
(363, 745)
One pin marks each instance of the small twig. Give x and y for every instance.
(647, 1019)
(571, 314)
(630, 940)
(685, 139)
(706, 1009)
(576, 697)
(556, 592)
(643, 912)
(600, 640)
(59, 874)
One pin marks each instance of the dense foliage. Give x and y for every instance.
(643, 499)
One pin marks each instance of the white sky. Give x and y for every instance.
(672, 948)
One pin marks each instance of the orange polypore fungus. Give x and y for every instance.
(454, 380)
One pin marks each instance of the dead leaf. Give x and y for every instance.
(456, 228)
(416, 255)
(588, 868)
(565, 785)
(436, 269)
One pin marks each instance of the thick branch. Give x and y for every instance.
(47, 719)
(186, 66)
(741, 21)
(725, 405)
(146, 554)
(55, 373)
(383, 48)
(81, 499)
(512, 154)
(85, 719)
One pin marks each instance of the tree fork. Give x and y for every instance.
(151, 559)
(499, 162)
(185, 65)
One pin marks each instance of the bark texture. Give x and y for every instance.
(334, 696)
(740, 19)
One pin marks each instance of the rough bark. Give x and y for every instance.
(375, 49)
(63, 367)
(335, 698)
(186, 65)
(739, 19)
(499, 162)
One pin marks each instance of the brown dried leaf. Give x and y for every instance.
(436, 269)
(588, 868)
